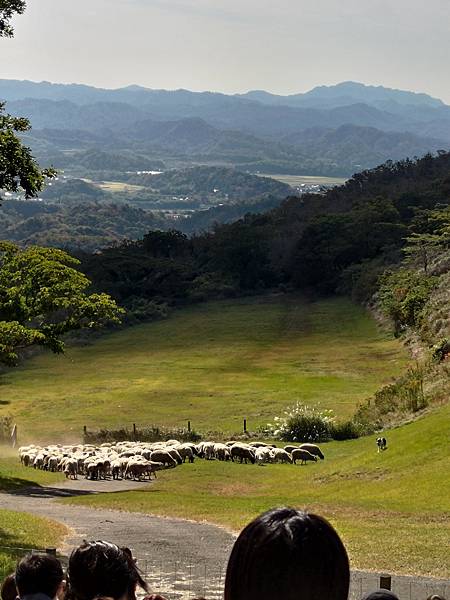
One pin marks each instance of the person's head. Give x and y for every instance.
(380, 594)
(99, 569)
(9, 590)
(286, 554)
(39, 574)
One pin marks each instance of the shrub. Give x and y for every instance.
(403, 295)
(302, 423)
(141, 310)
(440, 350)
(347, 430)
(146, 434)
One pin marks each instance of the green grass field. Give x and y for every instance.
(392, 509)
(118, 186)
(297, 180)
(21, 533)
(213, 364)
(13, 476)
(219, 362)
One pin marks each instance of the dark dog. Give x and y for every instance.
(381, 443)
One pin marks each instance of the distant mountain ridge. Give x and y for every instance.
(257, 131)
(333, 95)
(347, 93)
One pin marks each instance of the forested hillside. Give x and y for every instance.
(313, 240)
(88, 226)
(85, 215)
(382, 238)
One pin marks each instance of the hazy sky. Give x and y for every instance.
(283, 46)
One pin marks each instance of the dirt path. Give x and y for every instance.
(170, 539)
(180, 558)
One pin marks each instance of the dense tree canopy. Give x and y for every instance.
(18, 169)
(8, 8)
(42, 297)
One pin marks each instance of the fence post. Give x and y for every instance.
(84, 431)
(189, 426)
(245, 425)
(134, 431)
(385, 582)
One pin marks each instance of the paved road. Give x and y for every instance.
(181, 558)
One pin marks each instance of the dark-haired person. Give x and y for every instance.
(101, 569)
(286, 554)
(380, 594)
(9, 590)
(39, 577)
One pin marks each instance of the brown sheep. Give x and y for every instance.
(163, 457)
(136, 470)
(303, 456)
(313, 449)
(243, 453)
(290, 448)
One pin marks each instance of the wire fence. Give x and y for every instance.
(189, 578)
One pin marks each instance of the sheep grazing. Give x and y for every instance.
(175, 455)
(243, 452)
(163, 457)
(263, 455)
(136, 470)
(303, 456)
(222, 452)
(280, 455)
(116, 468)
(71, 468)
(140, 460)
(186, 452)
(152, 467)
(290, 448)
(315, 450)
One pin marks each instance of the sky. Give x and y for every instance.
(282, 46)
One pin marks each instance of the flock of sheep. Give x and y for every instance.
(138, 460)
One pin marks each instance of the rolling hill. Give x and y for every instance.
(213, 364)
(253, 130)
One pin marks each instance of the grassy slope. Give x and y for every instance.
(213, 364)
(13, 476)
(392, 509)
(20, 533)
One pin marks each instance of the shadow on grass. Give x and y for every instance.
(50, 492)
(22, 487)
(11, 484)
(16, 486)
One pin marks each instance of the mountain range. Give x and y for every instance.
(333, 130)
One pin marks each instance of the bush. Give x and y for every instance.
(403, 295)
(140, 310)
(146, 434)
(440, 350)
(302, 423)
(348, 430)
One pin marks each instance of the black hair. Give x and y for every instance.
(38, 573)
(286, 554)
(99, 569)
(380, 594)
(9, 590)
